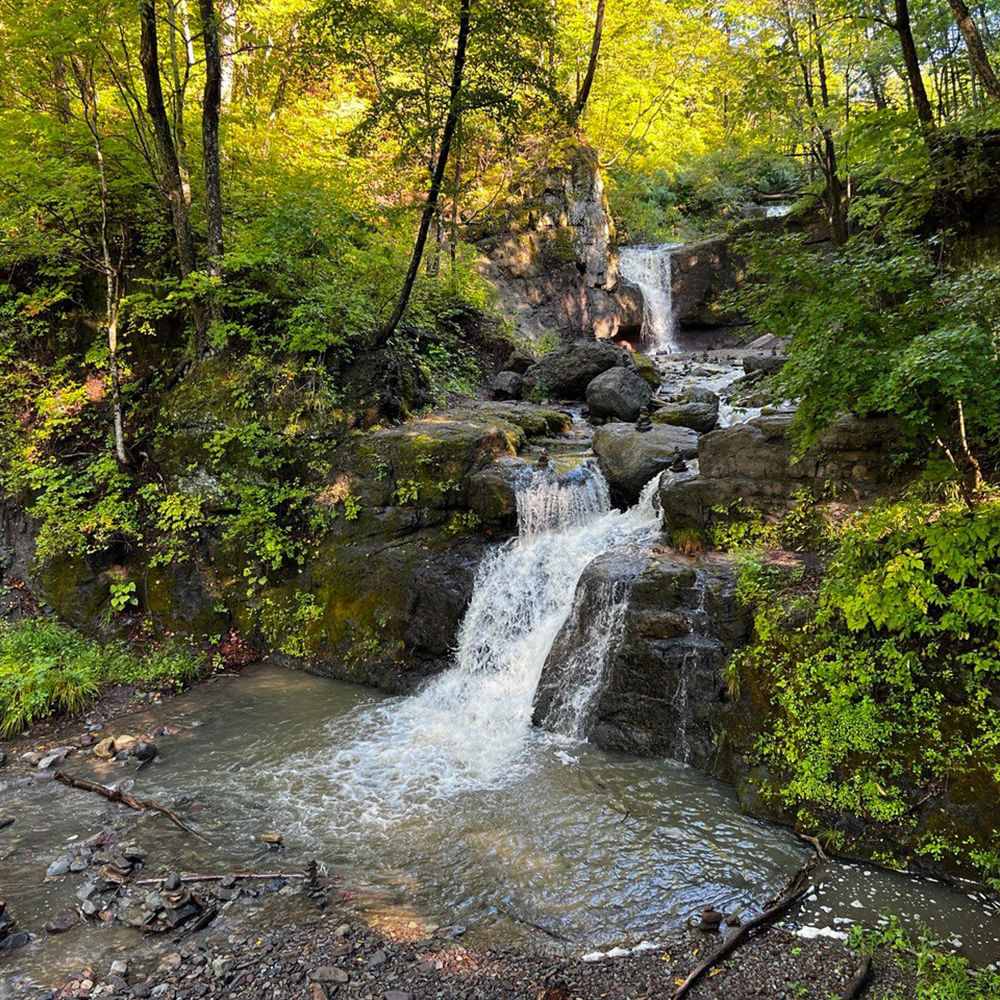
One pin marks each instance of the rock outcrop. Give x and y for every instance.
(553, 260)
(752, 464)
(663, 691)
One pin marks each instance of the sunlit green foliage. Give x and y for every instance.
(884, 676)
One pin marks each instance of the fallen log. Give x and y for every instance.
(219, 878)
(857, 986)
(731, 944)
(117, 795)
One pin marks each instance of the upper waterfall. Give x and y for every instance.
(649, 267)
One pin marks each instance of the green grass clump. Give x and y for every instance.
(47, 668)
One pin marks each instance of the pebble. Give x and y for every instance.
(120, 967)
(329, 974)
(60, 866)
(273, 839)
(54, 756)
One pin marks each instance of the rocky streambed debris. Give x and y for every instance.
(321, 957)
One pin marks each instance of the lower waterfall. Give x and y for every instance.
(466, 729)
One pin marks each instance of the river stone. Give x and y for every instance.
(629, 458)
(566, 372)
(618, 392)
(766, 363)
(62, 921)
(505, 385)
(696, 408)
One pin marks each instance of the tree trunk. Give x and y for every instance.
(977, 51)
(595, 49)
(227, 42)
(430, 207)
(211, 106)
(173, 184)
(112, 273)
(912, 61)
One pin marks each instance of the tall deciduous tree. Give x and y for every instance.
(595, 51)
(977, 51)
(210, 113)
(174, 188)
(430, 206)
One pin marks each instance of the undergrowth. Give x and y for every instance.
(882, 674)
(47, 668)
(939, 975)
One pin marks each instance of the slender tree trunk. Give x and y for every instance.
(112, 273)
(430, 207)
(173, 183)
(211, 106)
(834, 187)
(227, 43)
(977, 51)
(595, 50)
(912, 61)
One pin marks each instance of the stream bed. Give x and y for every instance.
(600, 849)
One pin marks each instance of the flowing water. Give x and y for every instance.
(448, 805)
(649, 267)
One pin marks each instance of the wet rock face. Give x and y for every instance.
(664, 691)
(751, 463)
(701, 274)
(629, 458)
(566, 372)
(619, 393)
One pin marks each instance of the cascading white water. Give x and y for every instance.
(649, 267)
(467, 728)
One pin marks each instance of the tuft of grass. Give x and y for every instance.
(47, 668)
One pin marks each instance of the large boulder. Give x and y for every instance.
(629, 458)
(505, 385)
(696, 408)
(566, 372)
(663, 690)
(619, 392)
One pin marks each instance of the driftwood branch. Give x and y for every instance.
(117, 795)
(219, 878)
(731, 944)
(797, 881)
(857, 986)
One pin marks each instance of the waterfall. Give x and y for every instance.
(468, 728)
(649, 267)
